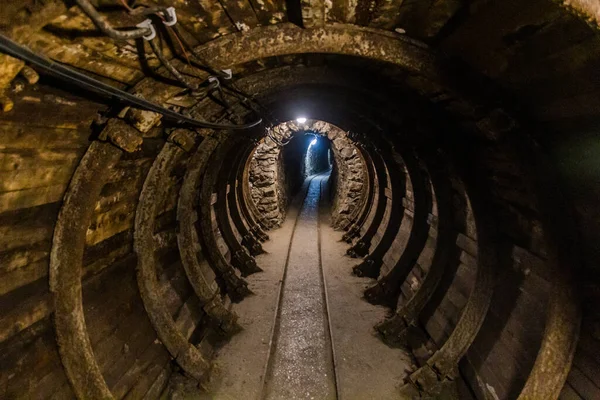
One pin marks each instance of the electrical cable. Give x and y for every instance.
(106, 28)
(195, 54)
(67, 74)
(204, 65)
(167, 64)
(158, 11)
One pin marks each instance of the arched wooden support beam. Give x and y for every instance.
(240, 259)
(270, 41)
(249, 241)
(199, 273)
(353, 229)
(236, 287)
(247, 206)
(561, 333)
(187, 356)
(362, 246)
(451, 219)
(436, 377)
(66, 258)
(387, 289)
(371, 265)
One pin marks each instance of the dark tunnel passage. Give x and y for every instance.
(299, 200)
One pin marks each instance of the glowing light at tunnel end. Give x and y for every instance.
(301, 120)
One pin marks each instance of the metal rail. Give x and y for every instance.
(277, 312)
(336, 380)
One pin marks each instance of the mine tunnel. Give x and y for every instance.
(301, 199)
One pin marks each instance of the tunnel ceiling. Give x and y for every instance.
(503, 96)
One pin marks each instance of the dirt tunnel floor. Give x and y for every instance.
(299, 352)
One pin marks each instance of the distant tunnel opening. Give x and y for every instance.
(292, 152)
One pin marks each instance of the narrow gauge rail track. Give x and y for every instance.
(301, 361)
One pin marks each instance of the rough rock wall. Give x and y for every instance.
(265, 176)
(349, 179)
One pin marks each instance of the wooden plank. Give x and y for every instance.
(104, 225)
(34, 178)
(84, 58)
(22, 136)
(49, 385)
(27, 159)
(22, 228)
(588, 366)
(25, 315)
(21, 257)
(159, 383)
(189, 316)
(19, 277)
(582, 384)
(568, 393)
(29, 365)
(60, 110)
(18, 20)
(148, 377)
(103, 314)
(27, 198)
(117, 352)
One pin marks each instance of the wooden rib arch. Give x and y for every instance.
(235, 286)
(451, 219)
(66, 259)
(199, 273)
(186, 354)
